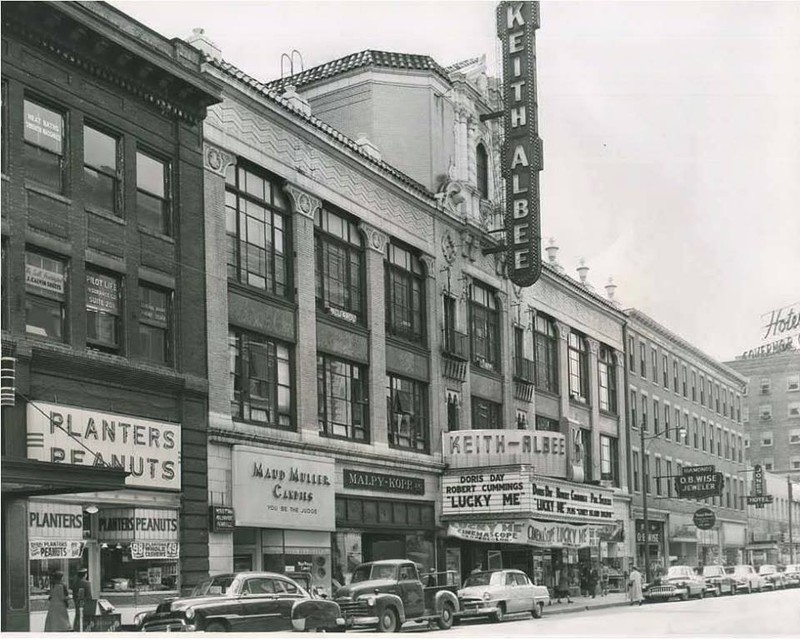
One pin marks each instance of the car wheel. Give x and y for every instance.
(500, 614)
(733, 590)
(537, 610)
(685, 596)
(217, 626)
(388, 621)
(446, 618)
(701, 594)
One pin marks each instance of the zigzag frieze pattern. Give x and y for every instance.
(281, 144)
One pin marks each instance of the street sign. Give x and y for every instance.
(696, 470)
(699, 485)
(704, 518)
(759, 501)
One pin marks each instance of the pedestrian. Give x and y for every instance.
(82, 595)
(57, 619)
(635, 586)
(562, 588)
(478, 568)
(604, 580)
(594, 579)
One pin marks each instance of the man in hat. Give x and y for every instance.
(82, 595)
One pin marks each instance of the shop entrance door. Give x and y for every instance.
(377, 547)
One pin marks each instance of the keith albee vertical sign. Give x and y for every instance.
(522, 152)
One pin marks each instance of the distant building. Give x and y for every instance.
(768, 538)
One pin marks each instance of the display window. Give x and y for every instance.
(56, 542)
(123, 569)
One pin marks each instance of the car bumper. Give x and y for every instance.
(299, 625)
(665, 594)
(483, 609)
(360, 621)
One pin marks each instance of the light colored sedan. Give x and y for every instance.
(680, 581)
(496, 593)
(772, 578)
(746, 578)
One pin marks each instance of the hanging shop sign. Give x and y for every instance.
(699, 482)
(498, 491)
(221, 519)
(528, 532)
(55, 549)
(363, 480)
(704, 518)
(522, 153)
(139, 524)
(155, 550)
(544, 451)
(759, 501)
(758, 480)
(150, 451)
(296, 490)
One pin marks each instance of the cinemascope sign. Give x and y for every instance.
(529, 532)
(522, 156)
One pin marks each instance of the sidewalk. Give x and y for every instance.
(581, 604)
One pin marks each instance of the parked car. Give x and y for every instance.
(773, 579)
(246, 602)
(746, 578)
(680, 581)
(792, 575)
(718, 582)
(383, 595)
(495, 593)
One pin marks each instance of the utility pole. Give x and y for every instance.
(644, 504)
(791, 539)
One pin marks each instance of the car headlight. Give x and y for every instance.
(487, 595)
(139, 618)
(189, 613)
(369, 600)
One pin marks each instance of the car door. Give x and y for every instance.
(525, 591)
(287, 593)
(260, 609)
(411, 591)
(511, 593)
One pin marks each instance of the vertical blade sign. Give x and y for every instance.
(522, 150)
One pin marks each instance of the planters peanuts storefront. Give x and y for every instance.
(505, 505)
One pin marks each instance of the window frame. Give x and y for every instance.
(487, 315)
(494, 414)
(545, 343)
(43, 298)
(357, 404)
(116, 175)
(166, 213)
(607, 380)
(578, 366)
(166, 326)
(62, 157)
(419, 401)
(408, 277)
(352, 306)
(118, 322)
(482, 171)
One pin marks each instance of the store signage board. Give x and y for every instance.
(759, 501)
(364, 480)
(155, 550)
(149, 450)
(704, 518)
(516, 27)
(655, 534)
(544, 451)
(221, 518)
(529, 532)
(55, 521)
(699, 485)
(140, 524)
(698, 470)
(291, 488)
(55, 549)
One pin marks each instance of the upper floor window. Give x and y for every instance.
(702, 390)
(152, 193)
(482, 171)
(793, 383)
(635, 467)
(665, 371)
(609, 459)
(547, 424)
(103, 311)
(631, 355)
(716, 398)
(674, 376)
(484, 326)
(633, 402)
(256, 221)
(654, 364)
(683, 381)
(578, 362)
(694, 386)
(642, 359)
(607, 374)
(100, 172)
(261, 380)
(645, 425)
(154, 324)
(407, 413)
(339, 270)
(546, 354)
(667, 433)
(44, 145)
(793, 409)
(486, 414)
(453, 410)
(45, 295)
(765, 385)
(405, 294)
(342, 399)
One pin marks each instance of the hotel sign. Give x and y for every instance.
(544, 451)
(516, 25)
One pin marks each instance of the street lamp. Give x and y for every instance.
(681, 430)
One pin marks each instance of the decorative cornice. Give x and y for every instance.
(376, 239)
(216, 160)
(303, 203)
(594, 345)
(563, 330)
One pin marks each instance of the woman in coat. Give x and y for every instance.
(635, 586)
(57, 619)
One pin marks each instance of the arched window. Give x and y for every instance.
(482, 166)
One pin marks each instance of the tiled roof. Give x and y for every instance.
(272, 95)
(368, 58)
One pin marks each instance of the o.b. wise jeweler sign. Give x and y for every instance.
(699, 482)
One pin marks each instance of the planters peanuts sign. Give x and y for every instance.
(522, 152)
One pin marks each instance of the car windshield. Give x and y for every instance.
(766, 570)
(478, 579)
(368, 572)
(711, 571)
(739, 570)
(213, 586)
(678, 571)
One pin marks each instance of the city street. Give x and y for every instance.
(757, 615)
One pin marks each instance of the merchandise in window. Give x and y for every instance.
(45, 295)
(578, 361)
(342, 407)
(257, 221)
(124, 567)
(261, 388)
(44, 146)
(484, 327)
(486, 414)
(405, 294)
(103, 311)
(152, 194)
(339, 262)
(546, 354)
(407, 413)
(56, 542)
(608, 380)
(101, 188)
(154, 324)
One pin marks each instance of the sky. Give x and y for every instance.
(671, 133)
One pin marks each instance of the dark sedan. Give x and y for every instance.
(246, 602)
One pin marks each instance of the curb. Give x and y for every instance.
(584, 608)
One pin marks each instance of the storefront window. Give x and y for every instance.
(122, 571)
(56, 535)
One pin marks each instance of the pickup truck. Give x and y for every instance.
(383, 595)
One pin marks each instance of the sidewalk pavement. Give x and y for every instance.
(581, 604)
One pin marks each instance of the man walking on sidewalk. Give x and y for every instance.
(635, 586)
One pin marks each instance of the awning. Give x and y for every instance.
(28, 477)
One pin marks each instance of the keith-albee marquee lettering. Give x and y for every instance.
(545, 451)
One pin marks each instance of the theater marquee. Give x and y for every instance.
(522, 153)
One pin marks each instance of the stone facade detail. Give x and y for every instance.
(303, 203)
(216, 160)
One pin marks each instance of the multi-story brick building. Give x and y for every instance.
(104, 456)
(673, 385)
(769, 537)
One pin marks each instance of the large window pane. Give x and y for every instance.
(102, 311)
(407, 413)
(339, 266)
(152, 197)
(45, 295)
(154, 324)
(44, 145)
(99, 169)
(342, 399)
